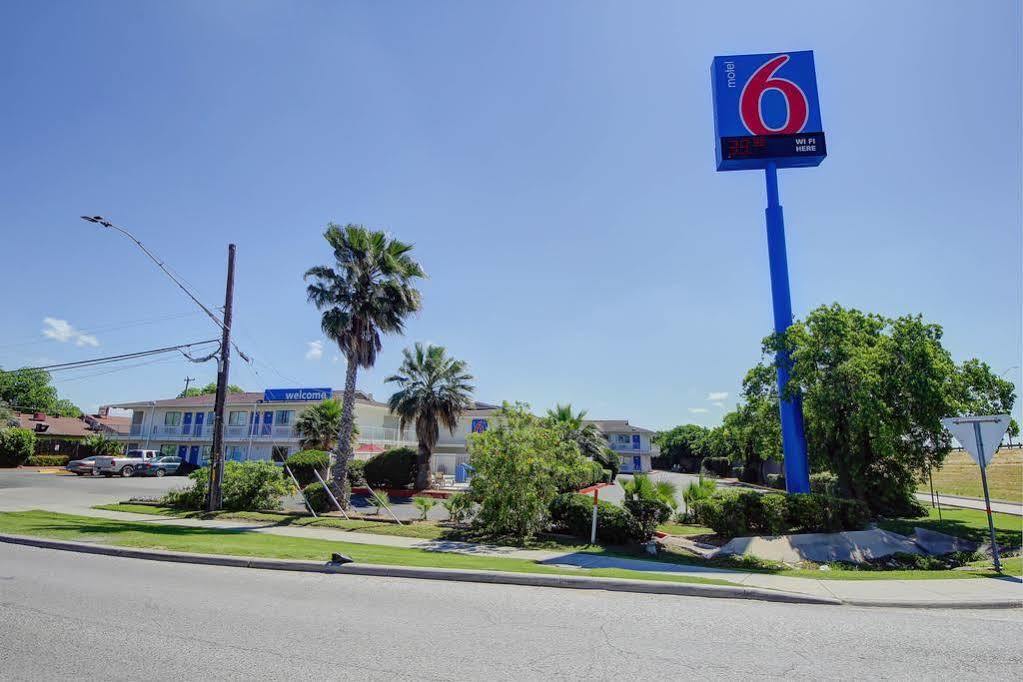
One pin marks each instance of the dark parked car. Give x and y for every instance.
(161, 466)
(81, 467)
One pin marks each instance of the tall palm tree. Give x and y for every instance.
(367, 292)
(591, 443)
(317, 426)
(434, 391)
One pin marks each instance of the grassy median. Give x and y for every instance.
(252, 544)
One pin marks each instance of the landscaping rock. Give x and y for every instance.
(937, 544)
(855, 546)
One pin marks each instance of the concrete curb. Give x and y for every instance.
(453, 574)
(913, 604)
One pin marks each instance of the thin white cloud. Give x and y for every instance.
(717, 396)
(61, 330)
(699, 410)
(718, 404)
(314, 350)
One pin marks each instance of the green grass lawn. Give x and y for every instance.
(961, 476)
(965, 523)
(247, 543)
(423, 530)
(672, 528)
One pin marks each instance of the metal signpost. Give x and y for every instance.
(980, 436)
(767, 116)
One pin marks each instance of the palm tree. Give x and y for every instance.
(591, 443)
(434, 390)
(317, 426)
(369, 291)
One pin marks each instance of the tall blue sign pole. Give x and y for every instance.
(767, 116)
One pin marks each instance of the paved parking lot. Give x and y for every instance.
(616, 494)
(30, 489)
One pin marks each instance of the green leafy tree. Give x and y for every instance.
(16, 446)
(518, 464)
(208, 389)
(367, 292)
(874, 391)
(317, 426)
(7, 416)
(751, 434)
(434, 390)
(587, 436)
(99, 444)
(682, 442)
(29, 390)
(1012, 431)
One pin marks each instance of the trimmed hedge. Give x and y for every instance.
(777, 481)
(248, 486)
(395, 468)
(318, 498)
(573, 512)
(304, 464)
(648, 514)
(824, 483)
(356, 472)
(48, 460)
(739, 513)
(719, 466)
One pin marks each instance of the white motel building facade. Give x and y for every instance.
(261, 426)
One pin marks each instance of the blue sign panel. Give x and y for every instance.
(283, 395)
(478, 426)
(766, 109)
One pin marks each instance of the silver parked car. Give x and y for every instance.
(82, 467)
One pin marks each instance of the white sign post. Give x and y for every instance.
(981, 436)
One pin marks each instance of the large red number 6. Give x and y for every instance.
(797, 110)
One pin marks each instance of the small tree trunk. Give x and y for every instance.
(423, 467)
(339, 472)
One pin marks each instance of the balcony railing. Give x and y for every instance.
(371, 435)
(629, 447)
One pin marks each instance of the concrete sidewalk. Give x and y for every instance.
(972, 503)
(956, 593)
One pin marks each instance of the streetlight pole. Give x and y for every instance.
(215, 498)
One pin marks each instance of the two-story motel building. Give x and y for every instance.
(261, 426)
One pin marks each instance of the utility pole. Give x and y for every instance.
(214, 499)
(188, 380)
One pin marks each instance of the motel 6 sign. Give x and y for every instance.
(766, 109)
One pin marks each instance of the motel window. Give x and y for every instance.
(622, 439)
(238, 418)
(172, 419)
(235, 453)
(284, 417)
(169, 450)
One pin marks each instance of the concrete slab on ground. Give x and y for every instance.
(856, 546)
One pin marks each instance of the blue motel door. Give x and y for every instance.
(183, 452)
(193, 454)
(637, 463)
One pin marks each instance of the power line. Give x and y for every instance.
(114, 358)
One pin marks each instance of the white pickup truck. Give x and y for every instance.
(124, 465)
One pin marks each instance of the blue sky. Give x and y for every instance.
(553, 164)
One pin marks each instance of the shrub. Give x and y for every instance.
(99, 444)
(719, 466)
(247, 486)
(424, 504)
(737, 513)
(459, 507)
(395, 468)
(378, 498)
(697, 490)
(317, 497)
(573, 512)
(777, 481)
(648, 514)
(577, 473)
(824, 483)
(520, 464)
(304, 464)
(48, 460)
(356, 472)
(16, 446)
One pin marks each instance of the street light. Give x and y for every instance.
(214, 498)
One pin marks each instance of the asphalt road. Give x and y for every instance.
(74, 616)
